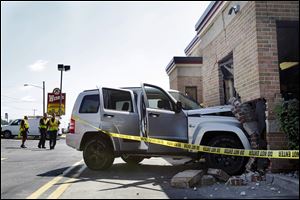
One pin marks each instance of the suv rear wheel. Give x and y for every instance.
(98, 155)
(132, 159)
(232, 165)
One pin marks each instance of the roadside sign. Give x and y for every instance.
(53, 102)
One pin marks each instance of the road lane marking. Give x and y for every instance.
(48, 185)
(3, 159)
(62, 188)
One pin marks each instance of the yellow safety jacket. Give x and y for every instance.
(53, 126)
(23, 128)
(44, 124)
(26, 126)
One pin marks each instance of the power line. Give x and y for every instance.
(23, 101)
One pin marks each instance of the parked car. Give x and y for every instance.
(12, 129)
(150, 111)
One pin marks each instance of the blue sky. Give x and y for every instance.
(113, 44)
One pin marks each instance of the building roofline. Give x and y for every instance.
(205, 17)
(182, 60)
(209, 11)
(191, 44)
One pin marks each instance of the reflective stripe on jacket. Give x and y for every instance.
(53, 126)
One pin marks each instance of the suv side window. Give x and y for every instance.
(117, 100)
(90, 104)
(157, 99)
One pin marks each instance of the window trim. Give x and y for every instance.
(173, 104)
(133, 110)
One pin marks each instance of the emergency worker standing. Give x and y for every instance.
(43, 131)
(53, 125)
(24, 127)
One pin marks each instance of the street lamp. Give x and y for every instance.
(62, 68)
(43, 88)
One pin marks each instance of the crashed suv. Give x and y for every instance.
(150, 111)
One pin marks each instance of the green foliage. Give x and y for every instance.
(288, 116)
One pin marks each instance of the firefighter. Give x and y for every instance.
(24, 127)
(52, 125)
(43, 131)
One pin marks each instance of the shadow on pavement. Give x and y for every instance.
(140, 175)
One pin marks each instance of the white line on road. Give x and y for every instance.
(3, 159)
(48, 185)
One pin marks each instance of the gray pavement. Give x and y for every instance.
(25, 172)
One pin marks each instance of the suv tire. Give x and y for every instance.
(232, 165)
(133, 160)
(98, 154)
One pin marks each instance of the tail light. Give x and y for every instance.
(72, 126)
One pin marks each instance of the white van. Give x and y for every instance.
(12, 129)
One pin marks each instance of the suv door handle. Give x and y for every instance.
(153, 115)
(108, 116)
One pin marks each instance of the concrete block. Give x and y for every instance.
(187, 178)
(207, 180)
(219, 174)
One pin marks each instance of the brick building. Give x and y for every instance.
(247, 49)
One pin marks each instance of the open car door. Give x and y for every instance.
(119, 114)
(162, 120)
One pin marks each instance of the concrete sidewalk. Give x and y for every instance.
(289, 183)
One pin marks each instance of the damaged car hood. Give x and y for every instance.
(210, 110)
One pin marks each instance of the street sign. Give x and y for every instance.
(53, 102)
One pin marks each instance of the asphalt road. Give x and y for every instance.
(38, 173)
(23, 171)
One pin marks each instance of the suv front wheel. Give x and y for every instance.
(232, 165)
(98, 155)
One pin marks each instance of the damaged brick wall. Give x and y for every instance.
(267, 13)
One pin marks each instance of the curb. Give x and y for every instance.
(288, 183)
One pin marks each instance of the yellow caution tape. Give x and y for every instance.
(285, 154)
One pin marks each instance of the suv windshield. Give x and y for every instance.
(186, 101)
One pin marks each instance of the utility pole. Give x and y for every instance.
(34, 111)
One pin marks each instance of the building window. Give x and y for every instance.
(288, 58)
(226, 68)
(191, 91)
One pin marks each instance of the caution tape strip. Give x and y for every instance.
(284, 154)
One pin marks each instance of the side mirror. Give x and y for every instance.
(178, 107)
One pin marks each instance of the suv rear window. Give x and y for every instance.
(90, 104)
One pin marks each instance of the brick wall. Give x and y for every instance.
(184, 81)
(238, 37)
(179, 83)
(266, 15)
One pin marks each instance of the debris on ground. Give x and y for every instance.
(243, 193)
(219, 174)
(236, 181)
(207, 180)
(187, 178)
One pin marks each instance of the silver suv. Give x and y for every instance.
(150, 111)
